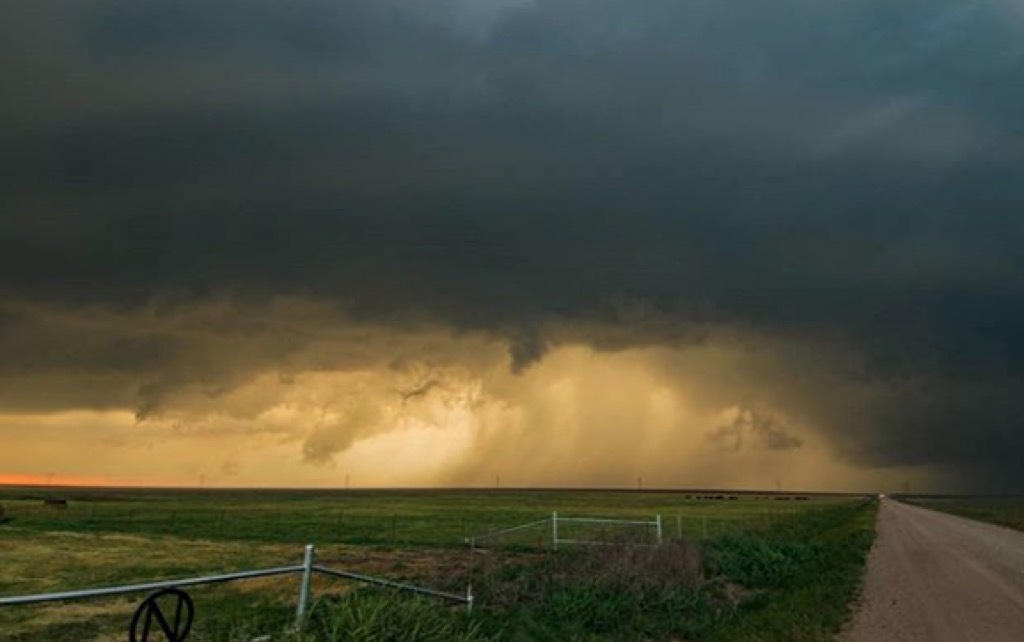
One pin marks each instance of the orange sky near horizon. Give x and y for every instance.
(54, 480)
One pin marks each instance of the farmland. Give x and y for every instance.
(1005, 511)
(732, 568)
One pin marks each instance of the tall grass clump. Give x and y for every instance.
(371, 615)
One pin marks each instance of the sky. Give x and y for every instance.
(675, 243)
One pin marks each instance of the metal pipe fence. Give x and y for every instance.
(556, 539)
(559, 525)
(556, 529)
(466, 599)
(306, 569)
(145, 587)
(472, 541)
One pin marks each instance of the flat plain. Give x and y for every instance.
(1002, 510)
(733, 567)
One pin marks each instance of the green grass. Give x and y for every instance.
(804, 574)
(373, 615)
(377, 518)
(1005, 511)
(768, 570)
(223, 615)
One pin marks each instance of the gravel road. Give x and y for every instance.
(935, 577)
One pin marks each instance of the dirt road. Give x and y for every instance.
(938, 578)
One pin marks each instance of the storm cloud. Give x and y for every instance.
(194, 194)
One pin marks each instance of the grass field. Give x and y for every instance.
(380, 518)
(767, 569)
(1005, 511)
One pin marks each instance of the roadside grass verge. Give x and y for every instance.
(803, 576)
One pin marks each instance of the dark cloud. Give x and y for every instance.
(822, 174)
(526, 347)
(765, 431)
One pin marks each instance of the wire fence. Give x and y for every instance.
(557, 530)
(380, 527)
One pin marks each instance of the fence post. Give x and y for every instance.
(679, 526)
(469, 598)
(307, 577)
(659, 528)
(554, 530)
